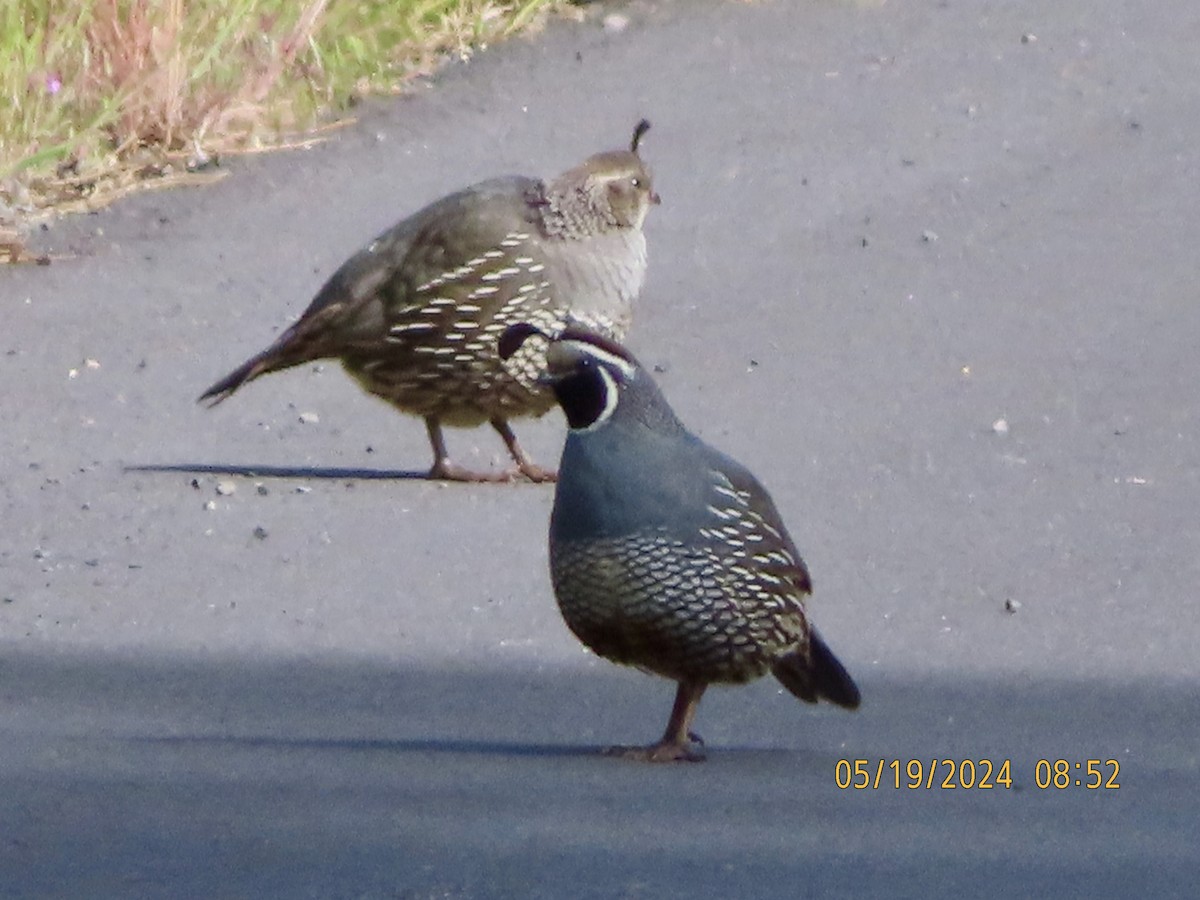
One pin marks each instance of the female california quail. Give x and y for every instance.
(666, 554)
(414, 317)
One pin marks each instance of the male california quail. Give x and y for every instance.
(414, 316)
(666, 554)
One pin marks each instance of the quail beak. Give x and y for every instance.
(654, 198)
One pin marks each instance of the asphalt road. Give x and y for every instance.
(885, 228)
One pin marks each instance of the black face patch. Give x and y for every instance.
(583, 395)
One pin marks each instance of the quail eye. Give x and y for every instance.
(635, 182)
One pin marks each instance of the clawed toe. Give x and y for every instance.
(536, 473)
(444, 470)
(662, 752)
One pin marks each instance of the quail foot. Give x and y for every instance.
(414, 317)
(666, 554)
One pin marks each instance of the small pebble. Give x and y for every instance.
(261, 490)
(210, 505)
(1000, 426)
(929, 236)
(1011, 605)
(260, 532)
(1029, 38)
(309, 418)
(225, 488)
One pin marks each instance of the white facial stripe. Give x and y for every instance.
(610, 401)
(624, 366)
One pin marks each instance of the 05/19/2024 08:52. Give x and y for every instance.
(968, 774)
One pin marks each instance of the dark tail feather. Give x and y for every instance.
(247, 371)
(817, 675)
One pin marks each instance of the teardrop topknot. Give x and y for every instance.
(639, 130)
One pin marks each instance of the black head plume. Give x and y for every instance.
(639, 131)
(591, 374)
(586, 370)
(514, 336)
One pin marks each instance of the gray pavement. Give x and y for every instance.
(885, 228)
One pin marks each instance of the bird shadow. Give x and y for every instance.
(418, 745)
(272, 471)
(441, 746)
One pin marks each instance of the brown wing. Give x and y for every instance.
(408, 286)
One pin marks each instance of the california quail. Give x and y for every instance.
(414, 317)
(666, 554)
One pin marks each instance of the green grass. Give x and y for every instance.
(103, 96)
